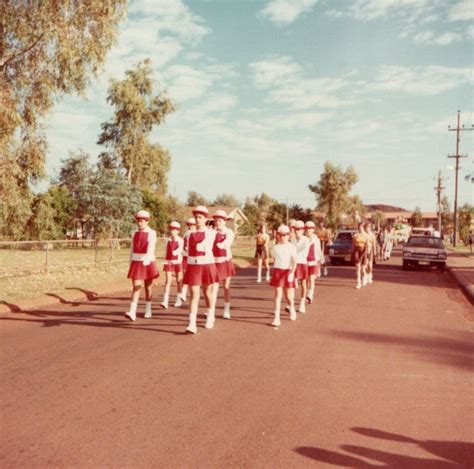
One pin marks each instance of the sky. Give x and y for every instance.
(267, 91)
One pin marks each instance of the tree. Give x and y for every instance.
(42, 224)
(416, 218)
(355, 210)
(47, 49)
(446, 215)
(378, 218)
(227, 200)
(137, 111)
(332, 191)
(466, 217)
(194, 199)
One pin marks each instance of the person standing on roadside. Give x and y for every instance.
(262, 252)
(324, 237)
(359, 255)
(371, 251)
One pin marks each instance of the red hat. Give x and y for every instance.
(200, 209)
(174, 225)
(142, 215)
(220, 214)
(191, 221)
(283, 230)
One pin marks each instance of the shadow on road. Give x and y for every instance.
(448, 453)
(456, 352)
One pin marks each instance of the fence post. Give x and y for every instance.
(47, 259)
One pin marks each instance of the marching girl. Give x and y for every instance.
(262, 252)
(191, 224)
(201, 269)
(223, 258)
(173, 264)
(315, 259)
(283, 276)
(359, 255)
(143, 268)
(301, 242)
(323, 234)
(292, 230)
(371, 251)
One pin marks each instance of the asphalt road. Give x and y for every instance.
(377, 377)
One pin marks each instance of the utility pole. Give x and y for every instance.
(457, 156)
(438, 189)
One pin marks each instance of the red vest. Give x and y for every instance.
(311, 253)
(140, 242)
(194, 239)
(170, 247)
(217, 251)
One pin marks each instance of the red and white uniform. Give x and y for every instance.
(142, 258)
(223, 254)
(302, 247)
(315, 255)
(185, 248)
(174, 255)
(201, 268)
(283, 255)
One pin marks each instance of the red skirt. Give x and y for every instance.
(225, 269)
(173, 268)
(313, 269)
(301, 272)
(280, 279)
(200, 274)
(185, 262)
(138, 271)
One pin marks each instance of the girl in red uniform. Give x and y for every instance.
(191, 224)
(173, 264)
(315, 258)
(143, 268)
(301, 243)
(283, 276)
(223, 258)
(201, 269)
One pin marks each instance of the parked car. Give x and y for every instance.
(340, 249)
(424, 251)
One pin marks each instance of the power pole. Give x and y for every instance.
(457, 156)
(439, 189)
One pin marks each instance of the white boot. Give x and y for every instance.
(309, 296)
(371, 278)
(132, 312)
(325, 271)
(211, 317)
(178, 303)
(276, 321)
(302, 306)
(192, 328)
(292, 313)
(259, 279)
(226, 314)
(148, 313)
(184, 292)
(364, 280)
(267, 278)
(164, 303)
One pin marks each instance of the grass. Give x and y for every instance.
(66, 273)
(461, 250)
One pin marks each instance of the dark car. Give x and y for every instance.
(424, 251)
(341, 248)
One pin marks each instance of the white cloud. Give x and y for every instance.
(274, 70)
(448, 38)
(283, 12)
(462, 11)
(372, 9)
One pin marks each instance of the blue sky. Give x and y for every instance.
(267, 91)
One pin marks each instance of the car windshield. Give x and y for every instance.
(425, 241)
(342, 237)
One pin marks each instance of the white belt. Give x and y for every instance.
(173, 262)
(200, 260)
(140, 257)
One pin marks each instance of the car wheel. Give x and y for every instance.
(405, 265)
(442, 268)
(334, 262)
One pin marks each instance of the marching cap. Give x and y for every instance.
(190, 221)
(310, 224)
(220, 214)
(299, 225)
(200, 209)
(283, 230)
(174, 225)
(142, 215)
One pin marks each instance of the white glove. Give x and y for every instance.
(201, 247)
(146, 261)
(291, 277)
(221, 245)
(175, 252)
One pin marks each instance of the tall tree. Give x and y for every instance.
(194, 199)
(332, 191)
(47, 49)
(416, 217)
(228, 200)
(466, 217)
(137, 111)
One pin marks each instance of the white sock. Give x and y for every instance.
(148, 307)
(133, 308)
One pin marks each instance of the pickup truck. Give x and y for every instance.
(424, 251)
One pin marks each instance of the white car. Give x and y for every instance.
(424, 251)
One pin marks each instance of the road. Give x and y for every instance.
(377, 377)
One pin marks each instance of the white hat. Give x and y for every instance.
(142, 214)
(202, 210)
(299, 225)
(174, 225)
(283, 230)
(220, 214)
(310, 224)
(190, 221)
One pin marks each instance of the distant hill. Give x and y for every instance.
(384, 208)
